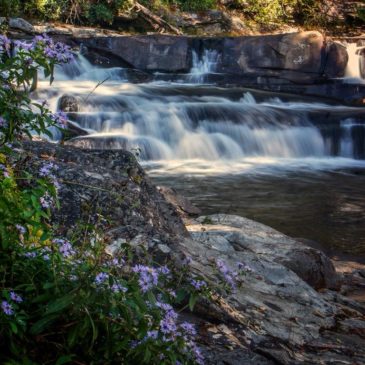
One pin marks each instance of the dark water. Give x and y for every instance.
(327, 207)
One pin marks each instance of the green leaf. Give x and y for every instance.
(42, 324)
(192, 300)
(59, 304)
(14, 328)
(64, 359)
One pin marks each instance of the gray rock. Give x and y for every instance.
(336, 60)
(246, 235)
(182, 204)
(68, 103)
(101, 184)
(21, 24)
(295, 55)
(147, 53)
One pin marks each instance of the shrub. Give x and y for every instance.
(65, 301)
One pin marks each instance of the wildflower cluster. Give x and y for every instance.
(20, 62)
(95, 306)
(232, 278)
(8, 305)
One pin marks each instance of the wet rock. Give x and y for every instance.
(182, 204)
(21, 24)
(68, 103)
(245, 235)
(290, 54)
(147, 53)
(362, 62)
(336, 60)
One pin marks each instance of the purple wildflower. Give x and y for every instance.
(117, 262)
(101, 278)
(65, 247)
(188, 328)
(20, 229)
(7, 308)
(20, 45)
(228, 275)
(148, 277)
(152, 334)
(164, 270)
(3, 122)
(30, 254)
(60, 118)
(46, 201)
(5, 44)
(198, 284)
(118, 288)
(47, 169)
(15, 297)
(4, 170)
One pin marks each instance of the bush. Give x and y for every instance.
(194, 5)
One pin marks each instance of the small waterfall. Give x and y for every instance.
(81, 69)
(203, 66)
(353, 65)
(183, 122)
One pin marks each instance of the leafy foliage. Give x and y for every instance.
(63, 301)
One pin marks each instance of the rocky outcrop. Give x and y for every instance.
(107, 184)
(274, 317)
(19, 24)
(229, 233)
(299, 57)
(147, 53)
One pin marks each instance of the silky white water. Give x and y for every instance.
(352, 72)
(203, 128)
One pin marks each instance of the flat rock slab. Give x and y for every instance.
(229, 234)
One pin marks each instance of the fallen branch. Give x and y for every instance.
(155, 21)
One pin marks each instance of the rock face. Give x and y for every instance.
(284, 55)
(68, 103)
(229, 233)
(300, 57)
(112, 184)
(275, 317)
(21, 24)
(147, 53)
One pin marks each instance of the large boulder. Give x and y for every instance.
(108, 184)
(233, 233)
(336, 60)
(148, 53)
(21, 24)
(296, 56)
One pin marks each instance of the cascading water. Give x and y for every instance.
(203, 66)
(231, 149)
(201, 124)
(352, 72)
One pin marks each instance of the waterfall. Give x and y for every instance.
(183, 122)
(203, 66)
(352, 71)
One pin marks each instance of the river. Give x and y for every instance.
(291, 162)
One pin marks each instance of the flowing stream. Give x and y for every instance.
(288, 161)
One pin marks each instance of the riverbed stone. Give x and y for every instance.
(68, 103)
(21, 24)
(245, 235)
(336, 60)
(147, 53)
(295, 55)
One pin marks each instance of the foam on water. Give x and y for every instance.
(173, 124)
